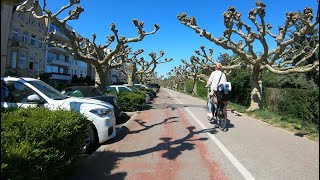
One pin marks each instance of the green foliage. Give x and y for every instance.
(189, 86)
(131, 101)
(295, 80)
(300, 103)
(240, 82)
(202, 90)
(39, 143)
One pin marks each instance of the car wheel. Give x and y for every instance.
(91, 142)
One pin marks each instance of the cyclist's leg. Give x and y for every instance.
(214, 104)
(209, 105)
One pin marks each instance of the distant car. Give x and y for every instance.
(94, 93)
(154, 86)
(144, 87)
(124, 88)
(147, 92)
(30, 92)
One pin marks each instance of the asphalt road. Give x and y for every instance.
(172, 139)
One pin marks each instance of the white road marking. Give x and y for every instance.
(245, 173)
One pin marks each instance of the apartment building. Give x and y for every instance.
(23, 52)
(60, 64)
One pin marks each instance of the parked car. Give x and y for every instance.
(94, 93)
(144, 87)
(147, 92)
(154, 86)
(29, 92)
(124, 88)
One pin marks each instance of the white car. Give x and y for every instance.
(126, 88)
(29, 92)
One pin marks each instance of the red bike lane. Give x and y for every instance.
(157, 143)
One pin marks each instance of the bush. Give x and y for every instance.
(189, 86)
(300, 103)
(240, 82)
(131, 101)
(40, 143)
(201, 89)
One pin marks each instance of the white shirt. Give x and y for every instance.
(214, 79)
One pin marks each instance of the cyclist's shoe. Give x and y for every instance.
(209, 114)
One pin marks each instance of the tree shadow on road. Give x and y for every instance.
(101, 163)
(124, 131)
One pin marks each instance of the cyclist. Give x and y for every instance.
(216, 77)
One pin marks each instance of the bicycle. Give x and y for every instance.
(220, 113)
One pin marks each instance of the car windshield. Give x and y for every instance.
(49, 91)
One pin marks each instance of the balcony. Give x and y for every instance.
(60, 76)
(60, 35)
(57, 50)
(59, 62)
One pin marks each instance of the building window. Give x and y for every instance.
(58, 57)
(66, 59)
(31, 63)
(25, 36)
(31, 20)
(21, 16)
(33, 40)
(40, 43)
(54, 69)
(15, 34)
(22, 60)
(14, 59)
(48, 68)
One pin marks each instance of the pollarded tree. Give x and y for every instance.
(129, 67)
(179, 76)
(149, 77)
(193, 70)
(82, 48)
(139, 67)
(280, 60)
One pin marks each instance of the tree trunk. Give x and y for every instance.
(101, 79)
(130, 80)
(194, 87)
(256, 90)
(176, 86)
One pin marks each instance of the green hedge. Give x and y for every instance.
(130, 101)
(300, 103)
(240, 82)
(38, 143)
(201, 89)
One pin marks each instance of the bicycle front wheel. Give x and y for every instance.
(222, 118)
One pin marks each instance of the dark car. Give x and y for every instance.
(154, 86)
(94, 93)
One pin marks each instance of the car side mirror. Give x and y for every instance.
(34, 98)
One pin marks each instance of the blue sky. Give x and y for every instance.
(176, 40)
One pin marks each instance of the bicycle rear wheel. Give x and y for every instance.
(222, 117)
